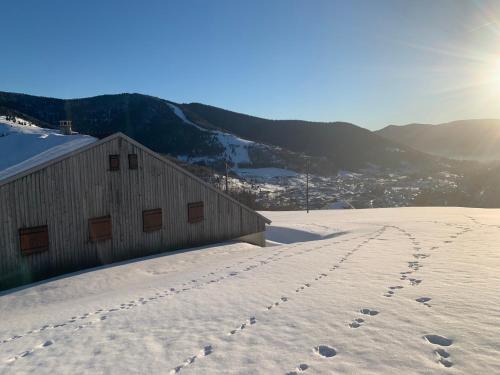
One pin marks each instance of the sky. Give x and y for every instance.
(372, 63)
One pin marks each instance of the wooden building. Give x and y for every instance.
(108, 201)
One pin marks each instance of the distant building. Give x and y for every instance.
(108, 201)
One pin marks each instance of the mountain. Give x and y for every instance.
(208, 135)
(466, 139)
(345, 144)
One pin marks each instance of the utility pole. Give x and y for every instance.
(307, 185)
(227, 189)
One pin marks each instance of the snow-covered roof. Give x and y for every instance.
(24, 145)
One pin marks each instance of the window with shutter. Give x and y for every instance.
(114, 162)
(195, 212)
(34, 240)
(100, 229)
(132, 161)
(152, 220)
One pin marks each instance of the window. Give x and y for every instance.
(100, 229)
(34, 240)
(114, 162)
(152, 220)
(195, 212)
(132, 161)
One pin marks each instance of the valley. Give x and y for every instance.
(267, 161)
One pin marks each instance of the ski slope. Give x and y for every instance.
(381, 291)
(235, 148)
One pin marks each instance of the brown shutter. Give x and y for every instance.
(100, 228)
(195, 212)
(132, 161)
(114, 162)
(152, 220)
(34, 240)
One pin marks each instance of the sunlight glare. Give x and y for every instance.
(496, 73)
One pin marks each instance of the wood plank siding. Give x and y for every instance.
(66, 194)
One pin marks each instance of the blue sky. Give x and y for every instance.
(372, 63)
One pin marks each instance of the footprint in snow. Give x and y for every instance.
(46, 344)
(27, 353)
(421, 256)
(414, 282)
(300, 368)
(424, 300)
(368, 312)
(325, 351)
(438, 340)
(356, 323)
(207, 350)
(442, 355)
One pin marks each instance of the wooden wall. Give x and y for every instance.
(66, 194)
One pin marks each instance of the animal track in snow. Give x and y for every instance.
(277, 303)
(368, 312)
(207, 350)
(421, 256)
(322, 350)
(306, 285)
(325, 351)
(396, 287)
(27, 353)
(438, 340)
(356, 323)
(424, 300)
(442, 355)
(392, 290)
(414, 265)
(414, 282)
(250, 321)
(300, 368)
(191, 284)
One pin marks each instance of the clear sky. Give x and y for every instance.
(372, 63)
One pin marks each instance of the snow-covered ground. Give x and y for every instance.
(264, 173)
(382, 291)
(24, 145)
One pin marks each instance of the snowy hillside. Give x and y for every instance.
(385, 291)
(236, 149)
(23, 144)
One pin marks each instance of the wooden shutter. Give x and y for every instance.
(100, 228)
(195, 212)
(34, 240)
(152, 220)
(114, 162)
(132, 161)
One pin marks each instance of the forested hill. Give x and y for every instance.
(210, 135)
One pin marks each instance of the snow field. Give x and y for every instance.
(383, 291)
